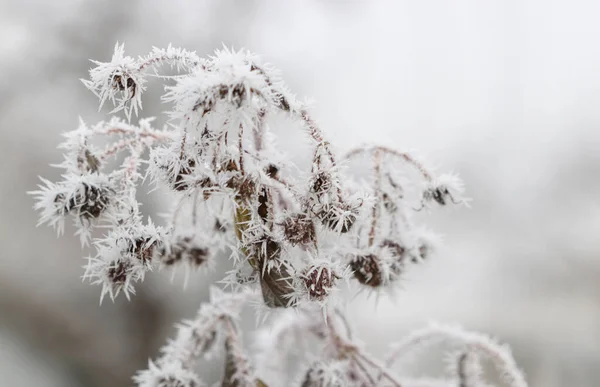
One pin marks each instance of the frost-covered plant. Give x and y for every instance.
(294, 238)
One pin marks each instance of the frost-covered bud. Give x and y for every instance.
(445, 189)
(89, 201)
(119, 81)
(367, 270)
(397, 255)
(381, 264)
(396, 250)
(339, 217)
(114, 272)
(439, 194)
(171, 374)
(143, 248)
(86, 197)
(179, 171)
(326, 375)
(185, 249)
(118, 273)
(321, 183)
(319, 280)
(299, 229)
(228, 83)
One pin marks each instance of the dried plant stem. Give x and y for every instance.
(392, 152)
(259, 130)
(377, 188)
(381, 368)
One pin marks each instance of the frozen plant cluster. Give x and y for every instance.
(295, 237)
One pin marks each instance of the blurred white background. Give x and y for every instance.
(504, 92)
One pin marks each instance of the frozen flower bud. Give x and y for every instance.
(439, 194)
(86, 197)
(143, 248)
(171, 374)
(321, 183)
(326, 375)
(299, 229)
(118, 273)
(89, 201)
(179, 171)
(263, 204)
(367, 270)
(445, 189)
(338, 217)
(185, 250)
(119, 81)
(318, 281)
(395, 248)
(397, 255)
(272, 171)
(123, 82)
(114, 272)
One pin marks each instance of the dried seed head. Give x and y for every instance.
(325, 375)
(318, 281)
(263, 204)
(398, 254)
(272, 171)
(167, 374)
(321, 183)
(122, 83)
(89, 201)
(439, 194)
(367, 270)
(395, 248)
(118, 272)
(143, 248)
(299, 229)
(339, 217)
(185, 250)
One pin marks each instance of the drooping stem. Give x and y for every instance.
(179, 57)
(382, 370)
(377, 187)
(392, 152)
(347, 349)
